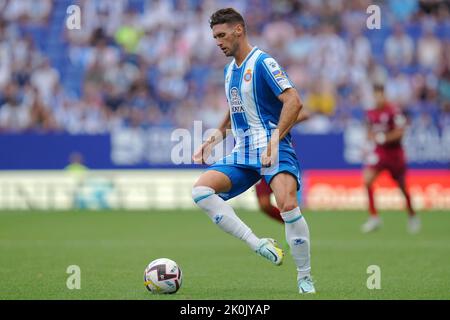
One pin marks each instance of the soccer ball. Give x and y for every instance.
(162, 276)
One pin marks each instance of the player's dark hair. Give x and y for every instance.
(226, 15)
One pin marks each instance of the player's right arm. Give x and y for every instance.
(203, 153)
(382, 138)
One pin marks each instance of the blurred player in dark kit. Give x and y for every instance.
(386, 126)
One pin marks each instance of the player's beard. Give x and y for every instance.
(227, 52)
(231, 52)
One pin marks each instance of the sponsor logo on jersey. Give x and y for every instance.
(236, 101)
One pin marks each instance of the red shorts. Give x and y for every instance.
(262, 188)
(392, 160)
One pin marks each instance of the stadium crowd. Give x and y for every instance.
(154, 63)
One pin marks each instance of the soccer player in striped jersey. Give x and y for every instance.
(263, 107)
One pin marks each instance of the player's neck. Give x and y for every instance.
(382, 106)
(242, 53)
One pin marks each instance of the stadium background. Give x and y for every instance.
(110, 95)
(86, 118)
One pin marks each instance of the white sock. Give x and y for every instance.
(222, 214)
(297, 236)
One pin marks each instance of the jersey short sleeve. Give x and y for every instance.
(275, 77)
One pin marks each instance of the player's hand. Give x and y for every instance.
(270, 155)
(379, 138)
(203, 153)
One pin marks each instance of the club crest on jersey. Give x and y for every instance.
(236, 101)
(248, 75)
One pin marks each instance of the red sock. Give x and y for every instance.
(274, 213)
(411, 211)
(372, 210)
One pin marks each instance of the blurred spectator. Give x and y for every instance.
(76, 165)
(5, 55)
(27, 11)
(301, 46)
(277, 33)
(145, 63)
(444, 88)
(321, 98)
(360, 49)
(45, 78)
(104, 14)
(376, 72)
(399, 47)
(329, 55)
(403, 10)
(429, 48)
(129, 33)
(398, 89)
(14, 113)
(40, 115)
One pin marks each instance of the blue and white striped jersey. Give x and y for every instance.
(252, 90)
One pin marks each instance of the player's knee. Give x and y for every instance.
(201, 192)
(368, 181)
(369, 178)
(289, 203)
(288, 206)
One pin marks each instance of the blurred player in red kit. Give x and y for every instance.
(263, 190)
(386, 126)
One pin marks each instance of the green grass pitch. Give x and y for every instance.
(113, 248)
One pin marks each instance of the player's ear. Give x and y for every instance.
(238, 30)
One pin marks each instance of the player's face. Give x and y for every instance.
(226, 38)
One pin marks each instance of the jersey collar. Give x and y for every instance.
(235, 66)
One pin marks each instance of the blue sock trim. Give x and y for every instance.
(295, 219)
(203, 197)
